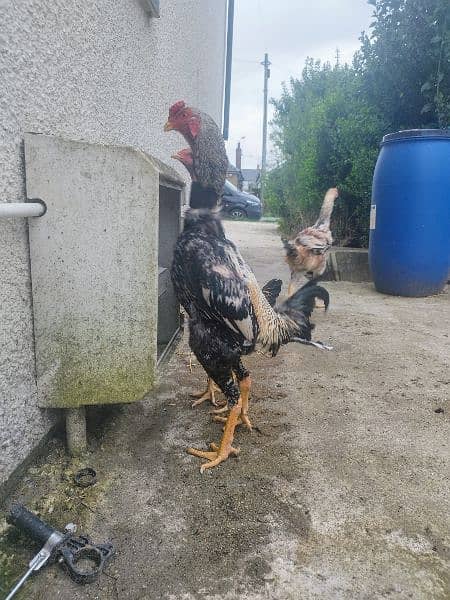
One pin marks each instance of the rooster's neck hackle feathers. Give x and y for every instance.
(205, 221)
(209, 155)
(274, 329)
(278, 326)
(209, 158)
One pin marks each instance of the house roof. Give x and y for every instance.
(232, 168)
(251, 175)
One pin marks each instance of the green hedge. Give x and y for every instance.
(328, 124)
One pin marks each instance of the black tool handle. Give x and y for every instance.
(30, 523)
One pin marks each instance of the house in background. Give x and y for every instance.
(251, 181)
(246, 180)
(85, 95)
(234, 176)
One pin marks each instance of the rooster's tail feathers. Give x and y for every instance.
(327, 208)
(304, 299)
(290, 320)
(296, 311)
(272, 290)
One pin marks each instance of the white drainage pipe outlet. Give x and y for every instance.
(33, 208)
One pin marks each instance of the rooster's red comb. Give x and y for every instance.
(175, 108)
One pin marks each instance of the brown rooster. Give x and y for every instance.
(307, 253)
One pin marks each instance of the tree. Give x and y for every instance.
(328, 124)
(327, 135)
(405, 62)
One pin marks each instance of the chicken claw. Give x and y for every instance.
(242, 420)
(219, 411)
(220, 453)
(208, 394)
(213, 453)
(215, 457)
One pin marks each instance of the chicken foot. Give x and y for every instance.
(225, 449)
(208, 394)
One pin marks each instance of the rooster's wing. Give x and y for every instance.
(214, 280)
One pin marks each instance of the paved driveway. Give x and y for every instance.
(342, 493)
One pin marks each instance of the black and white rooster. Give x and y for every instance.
(228, 312)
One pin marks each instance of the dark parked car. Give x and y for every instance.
(238, 205)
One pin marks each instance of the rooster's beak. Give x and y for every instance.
(175, 156)
(168, 126)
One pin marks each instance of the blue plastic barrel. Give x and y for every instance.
(409, 249)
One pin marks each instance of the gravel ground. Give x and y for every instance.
(341, 493)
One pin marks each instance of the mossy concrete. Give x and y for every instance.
(120, 379)
(94, 267)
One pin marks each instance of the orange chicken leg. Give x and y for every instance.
(244, 387)
(220, 453)
(208, 394)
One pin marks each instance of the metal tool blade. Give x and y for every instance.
(34, 565)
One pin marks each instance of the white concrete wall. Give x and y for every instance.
(99, 71)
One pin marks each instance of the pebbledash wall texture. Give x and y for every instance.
(103, 72)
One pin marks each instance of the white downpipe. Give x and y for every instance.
(22, 209)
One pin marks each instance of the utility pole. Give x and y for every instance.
(266, 64)
(229, 60)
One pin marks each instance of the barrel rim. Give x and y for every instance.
(418, 134)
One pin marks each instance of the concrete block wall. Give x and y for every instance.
(106, 73)
(348, 264)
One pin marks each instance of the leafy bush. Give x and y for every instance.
(328, 124)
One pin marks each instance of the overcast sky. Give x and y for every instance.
(289, 30)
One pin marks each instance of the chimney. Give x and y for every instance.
(238, 157)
